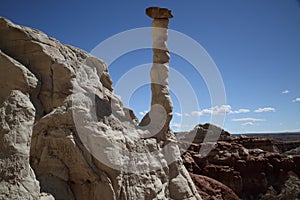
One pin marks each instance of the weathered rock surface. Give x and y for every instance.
(158, 13)
(200, 133)
(160, 114)
(17, 180)
(14, 76)
(17, 116)
(290, 190)
(58, 100)
(209, 189)
(251, 167)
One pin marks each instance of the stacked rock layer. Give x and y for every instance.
(160, 115)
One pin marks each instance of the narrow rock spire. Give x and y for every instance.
(160, 115)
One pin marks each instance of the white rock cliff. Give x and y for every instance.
(64, 132)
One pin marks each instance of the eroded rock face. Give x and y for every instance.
(83, 143)
(17, 180)
(290, 190)
(160, 114)
(17, 117)
(210, 188)
(14, 76)
(251, 167)
(201, 132)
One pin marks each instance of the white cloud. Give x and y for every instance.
(285, 91)
(240, 111)
(177, 114)
(181, 114)
(175, 125)
(267, 109)
(297, 99)
(248, 124)
(223, 109)
(217, 110)
(196, 113)
(248, 119)
(143, 113)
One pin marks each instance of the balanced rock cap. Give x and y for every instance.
(159, 13)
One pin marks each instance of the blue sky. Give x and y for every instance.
(255, 45)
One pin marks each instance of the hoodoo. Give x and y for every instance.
(160, 115)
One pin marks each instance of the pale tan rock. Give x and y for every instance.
(84, 144)
(160, 114)
(17, 115)
(17, 180)
(45, 196)
(53, 63)
(14, 76)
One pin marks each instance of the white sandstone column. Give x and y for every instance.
(160, 114)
